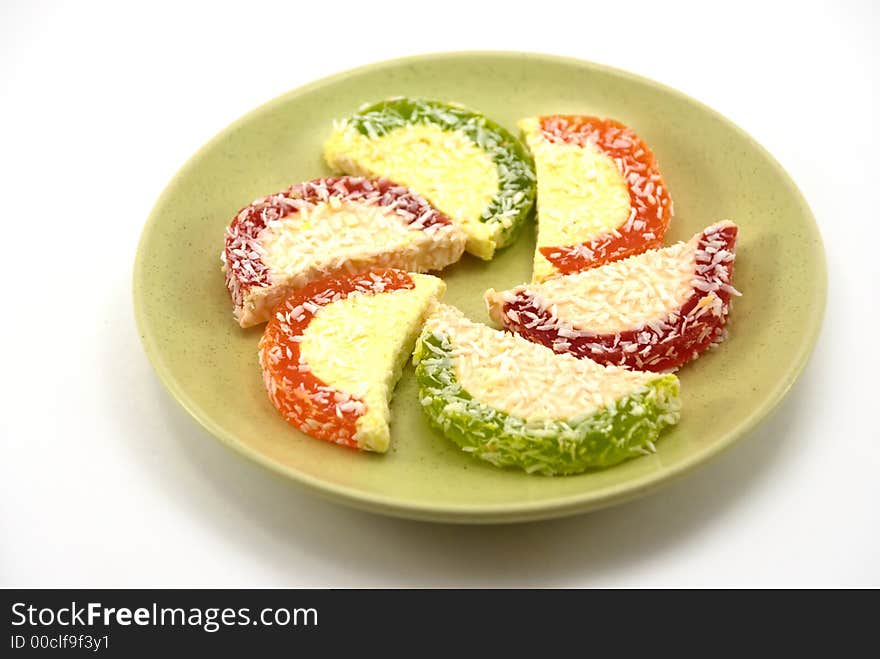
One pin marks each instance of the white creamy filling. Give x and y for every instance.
(526, 379)
(624, 294)
(322, 234)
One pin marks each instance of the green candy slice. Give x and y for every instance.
(493, 394)
(469, 167)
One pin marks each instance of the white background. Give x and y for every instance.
(105, 481)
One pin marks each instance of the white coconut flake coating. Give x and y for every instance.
(657, 311)
(328, 226)
(617, 296)
(525, 379)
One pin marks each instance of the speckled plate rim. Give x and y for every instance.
(500, 513)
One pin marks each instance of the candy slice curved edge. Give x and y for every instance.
(334, 351)
(627, 428)
(601, 195)
(333, 225)
(677, 303)
(469, 166)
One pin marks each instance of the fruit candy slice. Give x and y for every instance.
(330, 226)
(651, 312)
(468, 166)
(600, 193)
(515, 403)
(334, 350)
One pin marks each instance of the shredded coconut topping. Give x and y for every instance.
(525, 379)
(280, 242)
(654, 311)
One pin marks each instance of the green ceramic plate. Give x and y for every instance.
(713, 169)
